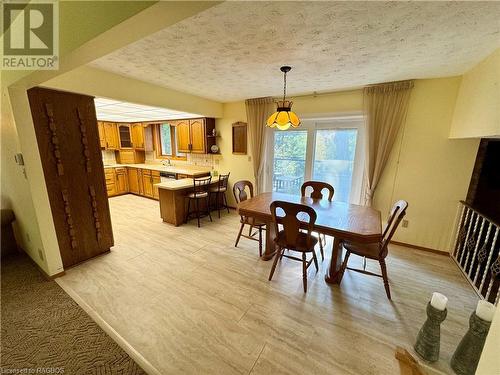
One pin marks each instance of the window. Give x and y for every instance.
(166, 140)
(326, 150)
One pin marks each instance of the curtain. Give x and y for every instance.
(385, 106)
(258, 110)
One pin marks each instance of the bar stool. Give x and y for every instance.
(219, 192)
(200, 192)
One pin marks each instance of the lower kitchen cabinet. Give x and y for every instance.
(133, 180)
(121, 181)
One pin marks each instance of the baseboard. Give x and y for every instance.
(416, 247)
(42, 271)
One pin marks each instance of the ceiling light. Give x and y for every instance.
(284, 117)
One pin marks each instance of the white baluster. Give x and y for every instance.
(475, 247)
(462, 230)
(486, 269)
(469, 230)
(461, 207)
(476, 276)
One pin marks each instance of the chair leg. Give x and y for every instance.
(321, 249)
(315, 260)
(275, 261)
(239, 235)
(383, 267)
(225, 202)
(260, 241)
(217, 196)
(198, 211)
(344, 263)
(187, 212)
(208, 209)
(304, 272)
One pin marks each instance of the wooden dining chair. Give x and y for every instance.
(377, 251)
(291, 237)
(199, 193)
(240, 194)
(219, 192)
(317, 193)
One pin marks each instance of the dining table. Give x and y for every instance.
(342, 221)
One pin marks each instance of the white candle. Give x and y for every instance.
(438, 301)
(485, 310)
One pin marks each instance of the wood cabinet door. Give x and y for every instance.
(183, 136)
(111, 136)
(133, 180)
(124, 135)
(102, 137)
(121, 181)
(198, 136)
(147, 183)
(137, 136)
(155, 179)
(70, 153)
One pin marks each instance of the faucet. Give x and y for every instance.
(167, 162)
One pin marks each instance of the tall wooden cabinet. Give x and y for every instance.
(68, 141)
(111, 136)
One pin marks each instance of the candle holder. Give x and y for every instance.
(466, 357)
(429, 336)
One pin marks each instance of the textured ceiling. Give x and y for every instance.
(234, 50)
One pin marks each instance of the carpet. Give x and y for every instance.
(45, 331)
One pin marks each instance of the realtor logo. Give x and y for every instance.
(30, 35)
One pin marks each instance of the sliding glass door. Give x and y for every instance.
(326, 150)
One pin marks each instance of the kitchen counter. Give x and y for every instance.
(183, 183)
(191, 171)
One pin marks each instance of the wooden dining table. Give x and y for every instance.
(342, 221)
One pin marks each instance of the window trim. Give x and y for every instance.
(157, 142)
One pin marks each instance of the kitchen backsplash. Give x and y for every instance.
(200, 160)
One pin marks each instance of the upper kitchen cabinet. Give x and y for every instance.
(195, 135)
(102, 138)
(111, 139)
(125, 136)
(142, 137)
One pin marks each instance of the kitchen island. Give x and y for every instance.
(172, 196)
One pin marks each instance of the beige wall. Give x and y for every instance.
(477, 113)
(426, 168)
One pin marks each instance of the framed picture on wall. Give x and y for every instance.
(240, 138)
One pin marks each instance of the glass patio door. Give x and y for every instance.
(334, 154)
(289, 166)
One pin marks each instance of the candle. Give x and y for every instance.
(485, 310)
(438, 301)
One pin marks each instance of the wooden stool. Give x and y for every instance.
(199, 193)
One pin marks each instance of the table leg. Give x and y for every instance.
(334, 274)
(270, 249)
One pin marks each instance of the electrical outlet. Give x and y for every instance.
(40, 254)
(404, 224)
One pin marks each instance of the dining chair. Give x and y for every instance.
(240, 194)
(219, 192)
(377, 251)
(317, 193)
(293, 217)
(199, 193)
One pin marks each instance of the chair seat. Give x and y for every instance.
(252, 221)
(217, 190)
(368, 250)
(301, 244)
(200, 194)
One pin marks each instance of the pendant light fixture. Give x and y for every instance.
(284, 117)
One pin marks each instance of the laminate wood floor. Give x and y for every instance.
(190, 302)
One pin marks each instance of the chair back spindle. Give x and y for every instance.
(222, 183)
(239, 190)
(201, 185)
(396, 215)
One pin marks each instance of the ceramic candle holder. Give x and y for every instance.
(466, 356)
(429, 336)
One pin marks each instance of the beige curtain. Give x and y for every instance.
(258, 110)
(385, 106)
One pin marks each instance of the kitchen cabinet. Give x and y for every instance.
(102, 138)
(129, 156)
(147, 183)
(125, 136)
(121, 181)
(111, 136)
(109, 175)
(195, 135)
(183, 136)
(156, 179)
(133, 180)
(137, 131)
